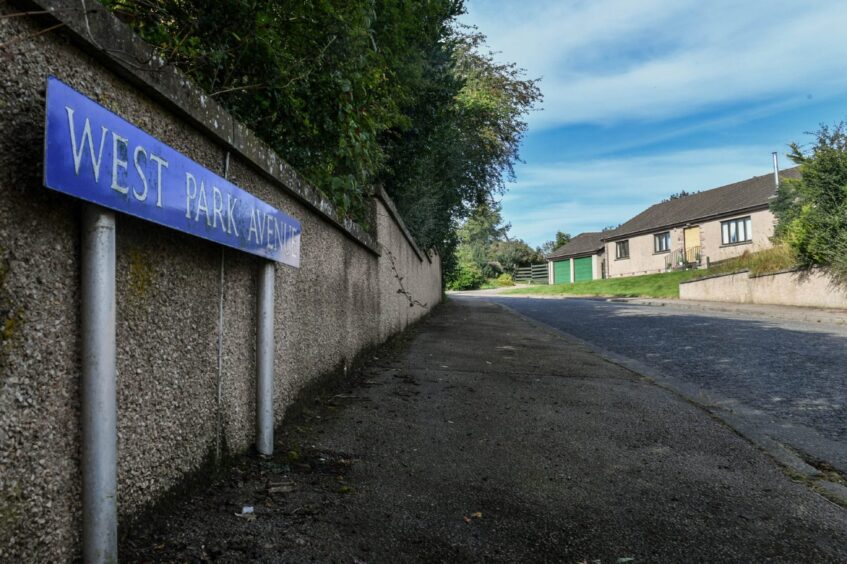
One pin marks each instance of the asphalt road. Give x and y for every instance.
(788, 377)
(480, 437)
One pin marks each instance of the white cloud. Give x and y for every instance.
(608, 61)
(577, 196)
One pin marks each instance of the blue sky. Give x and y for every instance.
(646, 98)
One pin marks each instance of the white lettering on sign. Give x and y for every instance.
(201, 204)
(142, 177)
(230, 207)
(86, 135)
(140, 196)
(120, 146)
(190, 192)
(217, 207)
(160, 164)
(264, 230)
(120, 159)
(222, 213)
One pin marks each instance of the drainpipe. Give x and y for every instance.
(265, 361)
(99, 400)
(775, 171)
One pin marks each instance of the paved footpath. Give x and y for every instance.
(487, 438)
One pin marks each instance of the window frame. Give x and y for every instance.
(621, 245)
(736, 228)
(665, 237)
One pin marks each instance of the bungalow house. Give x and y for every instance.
(694, 230)
(578, 260)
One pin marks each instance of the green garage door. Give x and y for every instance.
(582, 269)
(561, 272)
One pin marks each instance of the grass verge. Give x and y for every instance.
(776, 259)
(665, 285)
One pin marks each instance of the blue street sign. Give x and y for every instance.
(92, 154)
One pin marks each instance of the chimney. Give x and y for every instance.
(775, 171)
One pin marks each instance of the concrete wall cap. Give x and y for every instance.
(721, 275)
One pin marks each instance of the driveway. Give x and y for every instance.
(770, 376)
(482, 437)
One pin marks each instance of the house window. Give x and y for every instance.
(622, 250)
(736, 231)
(662, 242)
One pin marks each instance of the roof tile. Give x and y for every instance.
(584, 243)
(738, 196)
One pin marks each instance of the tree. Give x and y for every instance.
(512, 254)
(561, 240)
(460, 152)
(485, 250)
(354, 93)
(812, 210)
(478, 233)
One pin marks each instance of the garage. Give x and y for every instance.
(577, 257)
(582, 269)
(561, 272)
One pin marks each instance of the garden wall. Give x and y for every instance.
(795, 288)
(186, 382)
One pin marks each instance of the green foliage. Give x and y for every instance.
(779, 258)
(664, 285)
(357, 92)
(561, 240)
(512, 254)
(478, 233)
(305, 76)
(468, 127)
(466, 276)
(504, 280)
(812, 210)
(483, 243)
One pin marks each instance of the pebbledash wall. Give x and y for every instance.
(353, 290)
(814, 288)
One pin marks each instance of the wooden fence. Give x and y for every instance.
(533, 274)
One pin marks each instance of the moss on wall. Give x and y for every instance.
(141, 272)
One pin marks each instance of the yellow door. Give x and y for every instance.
(692, 243)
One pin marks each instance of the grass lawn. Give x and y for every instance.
(665, 285)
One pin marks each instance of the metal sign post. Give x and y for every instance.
(265, 361)
(99, 400)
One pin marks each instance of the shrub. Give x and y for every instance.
(467, 276)
(812, 210)
(492, 269)
(503, 280)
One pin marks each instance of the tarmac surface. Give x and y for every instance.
(783, 370)
(485, 437)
